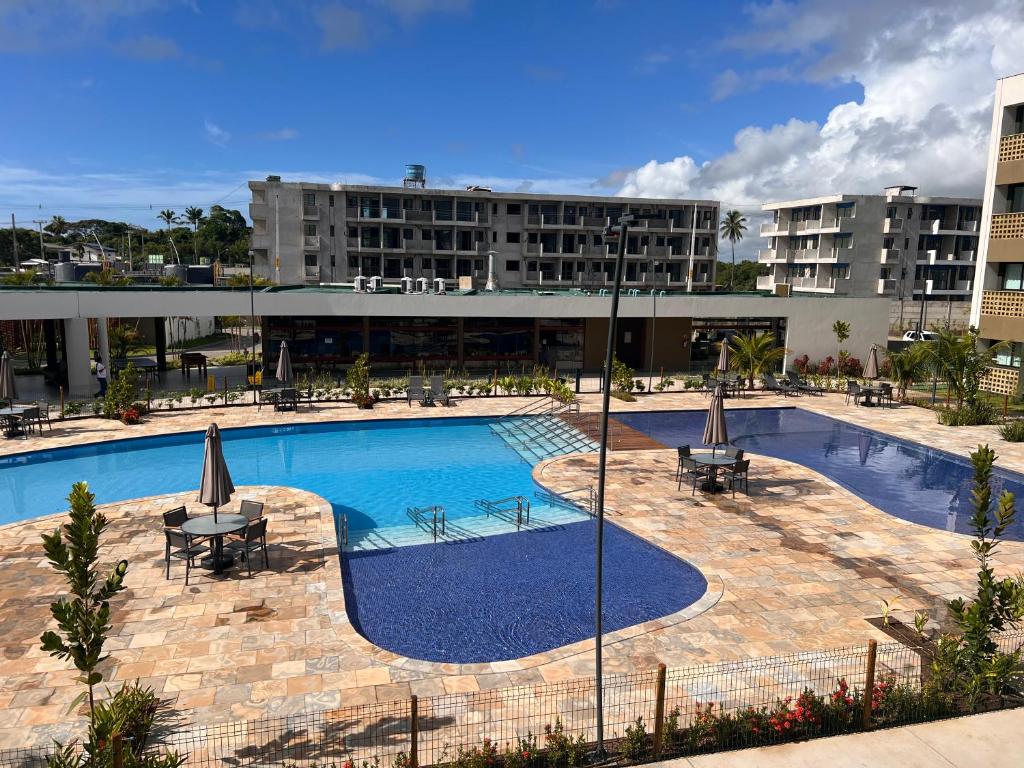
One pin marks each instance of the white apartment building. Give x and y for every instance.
(896, 244)
(332, 233)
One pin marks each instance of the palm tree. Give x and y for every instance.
(755, 354)
(907, 366)
(960, 363)
(57, 227)
(734, 224)
(194, 216)
(169, 217)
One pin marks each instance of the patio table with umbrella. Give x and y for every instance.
(724, 361)
(10, 413)
(215, 489)
(871, 373)
(715, 434)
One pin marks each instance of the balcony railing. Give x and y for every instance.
(1011, 148)
(310, 211)
(886, 286)
(893, 225)
(311, 274)
(1007, 226)
(1002, 303)
(767, 254)
(805, 254)
(311, 241)
(890, 255)
(765, 283)
(773, 228)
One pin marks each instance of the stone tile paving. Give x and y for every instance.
(798, 566)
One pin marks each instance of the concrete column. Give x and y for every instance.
(160, 341)
(76, 346)
(50, 337)
(103, 342)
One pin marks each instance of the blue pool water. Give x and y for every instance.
(512, 595)
(905, 479)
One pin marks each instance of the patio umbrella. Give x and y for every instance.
(724, 357)
(715, 432)
(215, 486)
(871, 367)
(8, 391)
(284, 365)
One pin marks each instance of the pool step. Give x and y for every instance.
(462, 529)
(536, 438)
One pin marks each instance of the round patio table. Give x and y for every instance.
(205, 525)
(10, 423)
(711, 485)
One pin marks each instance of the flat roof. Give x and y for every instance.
(847, 198)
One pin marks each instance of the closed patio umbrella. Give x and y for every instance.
(284, 366)
(715, 432)
(724, 357)
(215, 486)
(871, 367)
(8, 390)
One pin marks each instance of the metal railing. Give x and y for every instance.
(427, 518)
(343, 530)
(520, 505)
(586, 502)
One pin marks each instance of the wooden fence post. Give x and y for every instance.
(869, 684)
(414, 732)
(117, 751)
(659, 713)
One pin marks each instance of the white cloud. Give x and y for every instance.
(340, 27)
(215, 134)
(928, 74)
(30, 25)
(281, 134)
(410, 10)
(148, 48)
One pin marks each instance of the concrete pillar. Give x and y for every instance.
(460, 343)
(50, 337)
(76, 345)
(103, 343)
(160, 341)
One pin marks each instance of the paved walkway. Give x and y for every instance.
(994, 740)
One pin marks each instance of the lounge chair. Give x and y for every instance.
(438, 390)
(287, 399)
(415, 391)
(803, 386)
(772, 385)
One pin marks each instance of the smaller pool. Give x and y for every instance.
(512, 595)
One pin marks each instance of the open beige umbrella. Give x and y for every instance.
(871, 367)
(284, 374)
(8, 390)
(215, 486)
(724, 357)
(715, 432)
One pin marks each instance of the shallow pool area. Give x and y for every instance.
(905, 479)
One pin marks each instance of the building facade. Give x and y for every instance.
(895, 244)
(319, 233)
(998, 307)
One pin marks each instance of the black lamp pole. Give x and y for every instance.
(252, 328)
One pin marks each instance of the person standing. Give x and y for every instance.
(101, 377)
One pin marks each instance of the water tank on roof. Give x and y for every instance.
(64, 272)
(415, 176)
(179, 271)
(199, 274)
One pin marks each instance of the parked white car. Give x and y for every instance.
(920, 336)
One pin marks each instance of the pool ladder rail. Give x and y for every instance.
(520, 505)
(428, 518)
(586, 503)
(342, 531)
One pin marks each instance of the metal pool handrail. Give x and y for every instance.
(588, 505)
(419, 516)
(521, 507)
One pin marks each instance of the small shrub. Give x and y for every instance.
(1013, 431)
(801, 364)
(562, 750)
(634, 746)
(969, 415)
(622, 376)
(826, 366)
(625, 397)
(522, 755)
(73, 408)
(131, 415)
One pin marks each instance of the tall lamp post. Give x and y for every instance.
(252, 326)
(621, 231)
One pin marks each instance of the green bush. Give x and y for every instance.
(622, 376)
(1013, 431)
(634, 746)
(122, 392)
(969, 415)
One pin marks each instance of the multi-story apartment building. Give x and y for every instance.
(895, 244)
(998, 307)
(320, 233)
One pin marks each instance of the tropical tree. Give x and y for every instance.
(754, 355)
(57, 227)
(960, 363)
(907, 366)
(194, 216)
(733, 225)
(841, 329)
(169, 217)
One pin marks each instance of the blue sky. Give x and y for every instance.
(120, 105)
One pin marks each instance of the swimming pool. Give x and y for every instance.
(905, 479)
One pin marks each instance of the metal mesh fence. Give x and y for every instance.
(743, 696)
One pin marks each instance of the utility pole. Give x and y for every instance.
(14, 238)
(42, 251)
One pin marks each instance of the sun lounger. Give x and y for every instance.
(772, 385)
(803, 386)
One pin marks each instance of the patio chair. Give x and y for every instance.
(173, 518)
(30, 420)
(415, 391)
(885, 394)
(691, 469)
(254, 539)
(181, 546)
(795, 381)
(683, 452)
(251, 511)
(439, 391)
(707, 384)
(853, 389)
(733, 452)
(773, 385)
(737, 473)
(288, 399)
(44, 414)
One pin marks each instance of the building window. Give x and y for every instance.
(512, 265)
(407, 262)
(1012, 277)
(478, 264)
(425, 205)
(512, 237)
(353, 262)
(426, 263)
(427, 234)
(330, 201)
(353, 232)
(311, 259)
(514, 209)
(332, 230)
(1011, 356)
(532, 238)
(309, 230)
(494, 237)
(407, 233)
(494, 208)
(309, 198)
(840, 271)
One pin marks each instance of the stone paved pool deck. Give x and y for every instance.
(799, 565)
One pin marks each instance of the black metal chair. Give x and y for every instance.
(251, 511)
(737, 473)
(180, 546)
(853, 389)
(683, 452)
(173, 518)
(254, 539)
(733, 452)
(691, 469)
(44, 414)
(885, 393)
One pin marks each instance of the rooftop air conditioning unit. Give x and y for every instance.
(376, 283)
(406, 285)
(421, 285)
(359, 285)
(438, 285)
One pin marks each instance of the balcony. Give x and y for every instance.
(954, 288)
(374, 213)
(310, 212)
(766, 283)
(805, 254)
(890, 256)
(1010, 168)
(886, 286)
(311, 242)
(311, 274)
(774, 228)
(1002, 315)
(892, 225)
(1006, 238)
(768, 255)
